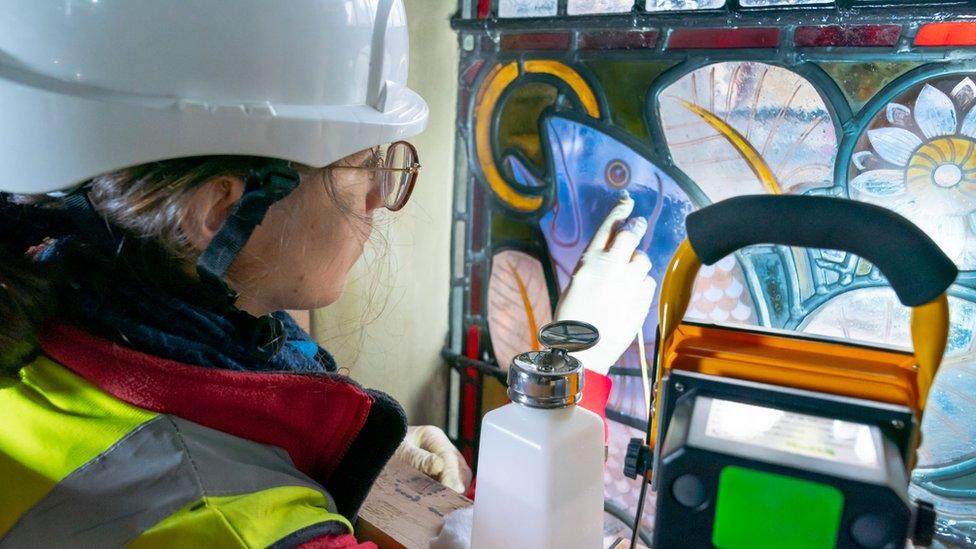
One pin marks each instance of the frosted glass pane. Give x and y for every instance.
(666, 5)
(766, 3)
(454, 407)
(459, 245)
(518, 304)
(874, 316)
(457, 301)
(526, 8)
(582, 7)
(764, 127)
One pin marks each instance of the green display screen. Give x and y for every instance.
(756, 509)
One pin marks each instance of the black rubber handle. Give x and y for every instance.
(915, 266)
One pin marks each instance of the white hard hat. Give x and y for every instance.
(91, 86)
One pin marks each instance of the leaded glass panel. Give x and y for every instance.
(556, 116)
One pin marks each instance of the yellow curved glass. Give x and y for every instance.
(749, 153)
(487, 99)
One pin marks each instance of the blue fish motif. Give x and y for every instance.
(589, 167)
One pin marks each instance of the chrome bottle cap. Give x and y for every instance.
(552, 379)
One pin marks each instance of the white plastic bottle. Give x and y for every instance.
(540, 465)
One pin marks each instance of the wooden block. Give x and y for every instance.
(405, 508)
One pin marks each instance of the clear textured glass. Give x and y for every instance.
(457, 304)
(526, 8)
(674, 5)
(764, 127)
(459, 246)
(767, 3)
(874, 316)
(461, 177)
(452, 410)
(583, 7)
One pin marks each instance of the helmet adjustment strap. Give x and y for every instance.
(263, 188)
(97, 229)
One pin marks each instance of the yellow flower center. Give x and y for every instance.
(944, 162)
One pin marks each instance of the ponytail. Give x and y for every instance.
(27, 295)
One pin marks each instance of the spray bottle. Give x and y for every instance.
(540, 467)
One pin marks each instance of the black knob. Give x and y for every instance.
(638, 459)
(871, 530)
(689, 491)
(924, 523)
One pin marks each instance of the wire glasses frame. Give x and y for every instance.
(396, 176)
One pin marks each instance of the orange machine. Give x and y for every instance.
(785, 359)
(782, 473)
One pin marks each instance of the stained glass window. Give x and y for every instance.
(683, 110)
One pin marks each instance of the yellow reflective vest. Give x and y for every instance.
(80, 467)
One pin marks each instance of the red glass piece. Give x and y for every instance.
(862, 36)
(535, 41)
(470, 411)
(618, 40)
(469, 398)
(477, 226)
(463, 100)
(484, 9)
(472, 71)
(751, 37)
(474, 292)
(472, 346)
(946, 34)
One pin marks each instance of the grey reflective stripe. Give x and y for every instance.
(151, 473)
(230, 465)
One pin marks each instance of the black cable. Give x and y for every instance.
(620, 514)
(640, 513)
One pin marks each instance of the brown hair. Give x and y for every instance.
(25, 300)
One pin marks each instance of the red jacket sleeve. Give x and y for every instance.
(343, 541)
(596, 393)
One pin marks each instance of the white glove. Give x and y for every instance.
(456, 533)
(428, 449)
(611, 288)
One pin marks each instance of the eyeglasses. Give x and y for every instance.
(396, 172)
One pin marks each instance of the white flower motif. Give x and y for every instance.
(923, 165)
(934, 113)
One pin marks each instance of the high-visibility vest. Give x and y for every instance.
(103, 445)
(81, 468)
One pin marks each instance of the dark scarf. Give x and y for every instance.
(111, 300)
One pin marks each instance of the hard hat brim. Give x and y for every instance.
(85, 133)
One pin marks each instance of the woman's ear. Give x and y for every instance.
(208, 208)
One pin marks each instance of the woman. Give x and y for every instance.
(208, 166)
